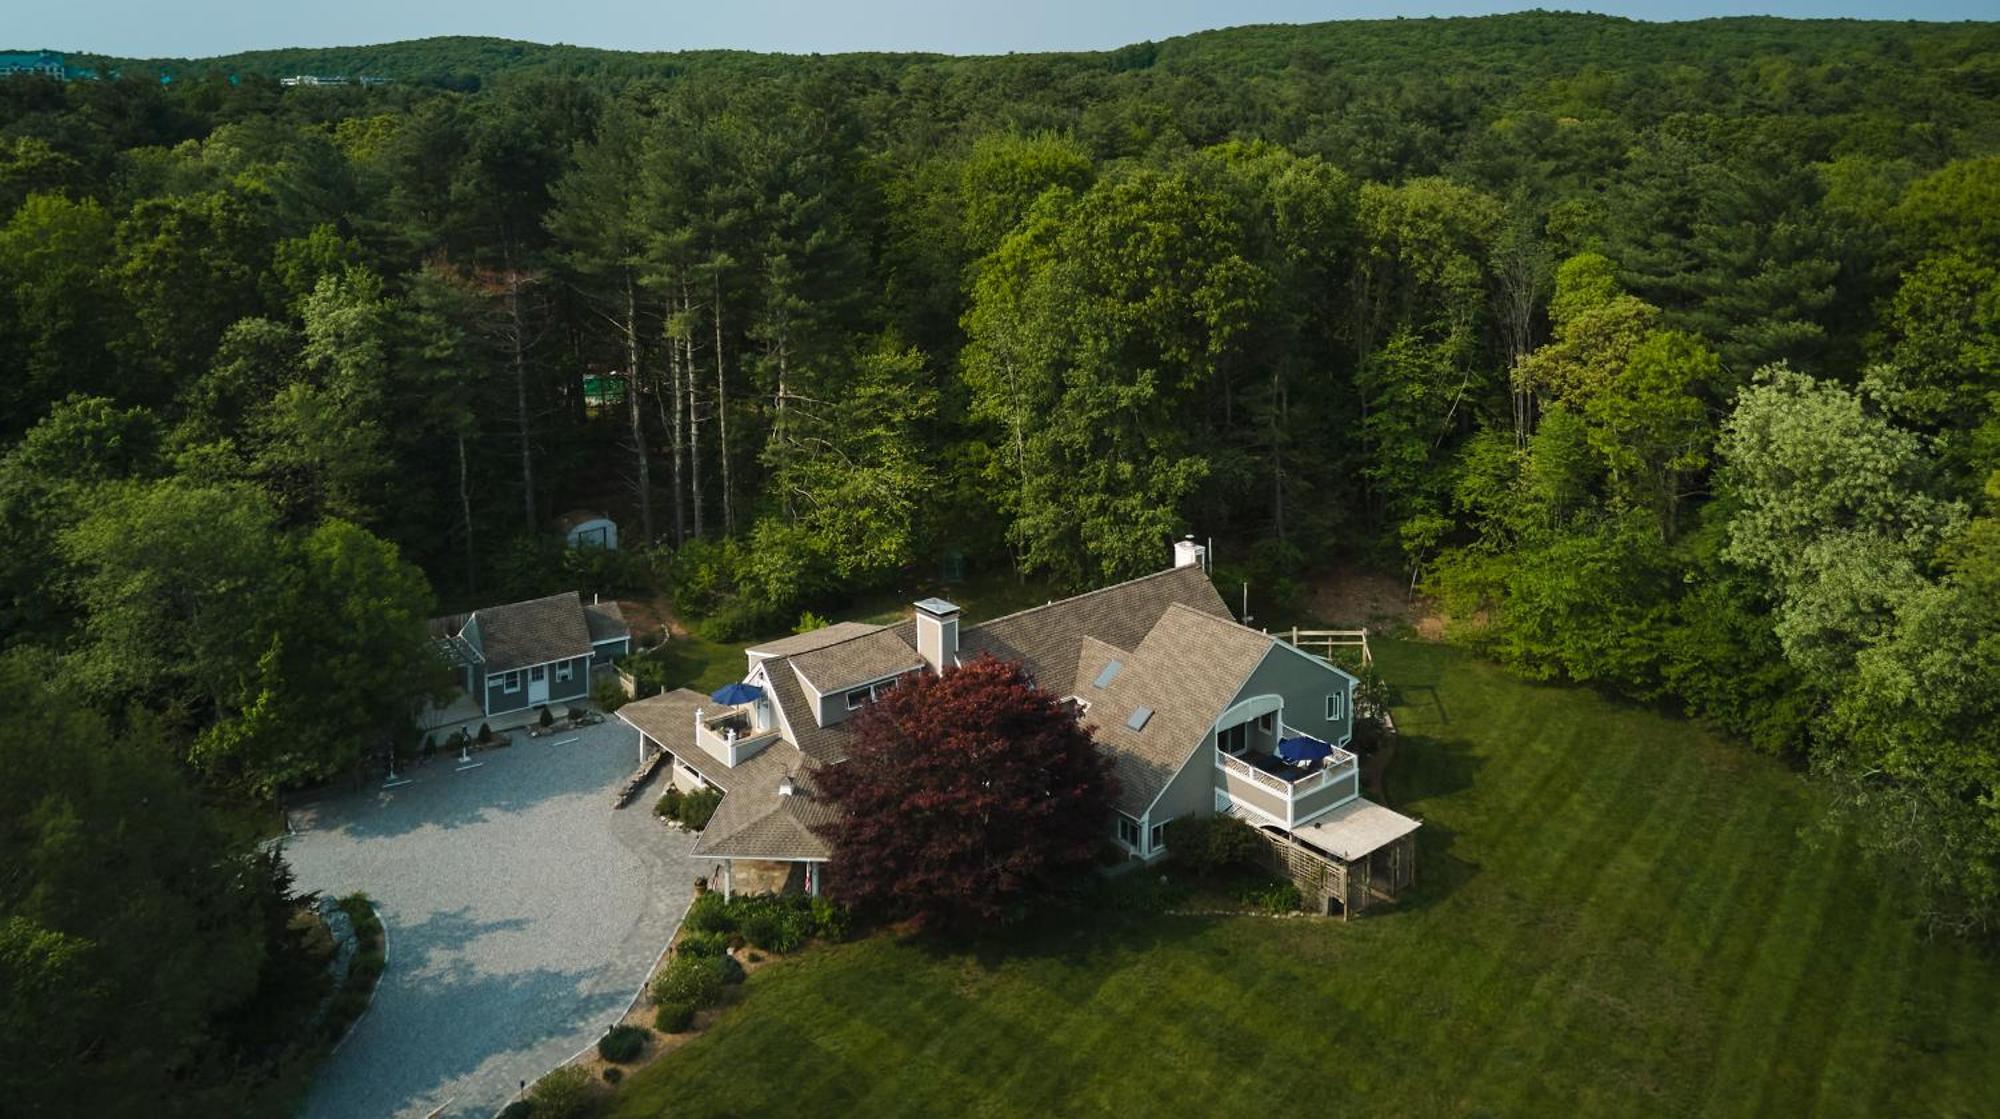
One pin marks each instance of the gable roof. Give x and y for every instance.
(755, 821)
(520, 634)
(606, 621)
(1187, 670)
(1048, 639)
(812, 639)
(858, 660)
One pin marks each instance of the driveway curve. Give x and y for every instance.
(522, 914)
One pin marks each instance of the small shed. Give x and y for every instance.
(583, 528)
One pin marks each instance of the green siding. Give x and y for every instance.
(1305, 684)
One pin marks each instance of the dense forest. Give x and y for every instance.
(1665, 358)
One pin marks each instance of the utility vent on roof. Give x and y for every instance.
(1139, 717)
(1109, 674)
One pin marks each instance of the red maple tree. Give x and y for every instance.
(964, 797)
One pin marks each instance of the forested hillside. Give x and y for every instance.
(1666, 357)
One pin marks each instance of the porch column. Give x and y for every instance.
(727, 882)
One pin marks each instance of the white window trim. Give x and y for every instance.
(867, 697)
(1156, 845)
(510, 682)
(1336, 707)
(1138, 833)
(565, 672)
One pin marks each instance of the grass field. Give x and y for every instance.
(1616, 915)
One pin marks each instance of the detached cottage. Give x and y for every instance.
(1200, 714)
(525, 654)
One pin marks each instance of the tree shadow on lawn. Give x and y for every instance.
(1081, 929)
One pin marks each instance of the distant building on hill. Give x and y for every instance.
(48, 64)
(330, 79)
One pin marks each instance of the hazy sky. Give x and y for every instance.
(192, 28)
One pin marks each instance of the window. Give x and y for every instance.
(1266, 721)
(1159, 837)
(1109, 674)
(1139, 718)
(511, 682)
(565, 671)
(859, 697)
(1128, 831)
(1335, 704)
(1234, 740)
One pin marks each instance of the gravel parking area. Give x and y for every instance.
(522, 914)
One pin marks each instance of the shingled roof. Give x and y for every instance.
(1047, 639)
(812, 639)
(606, 621)
(520, 634)
(857, 660)
(756, 821)
(1187, 669)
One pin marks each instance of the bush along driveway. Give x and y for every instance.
(521, 910)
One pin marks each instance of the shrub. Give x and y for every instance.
(1207, 844)
(519, 1109)
(673, 1017)
(709, 944)
(809, 621)
(695, 980)
(430, 747)
(485, 733)
(457, 742)
(606, 692)
(1273, 896)
(697, 807)
(613, 1074)
(562, 1094)
(710, 913)
(547, 719)
(830, 921)
(669, 806)
(367, 965)
(766, 929)
(622, 1044)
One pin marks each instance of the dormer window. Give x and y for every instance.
(859, 698)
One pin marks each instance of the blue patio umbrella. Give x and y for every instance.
(1303, 748)
(737, 693)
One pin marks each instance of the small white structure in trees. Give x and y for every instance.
(586, 529)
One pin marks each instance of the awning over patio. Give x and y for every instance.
(1356, 829)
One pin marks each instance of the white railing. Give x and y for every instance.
(1251, 773)
(1338, 765)
(729, 746)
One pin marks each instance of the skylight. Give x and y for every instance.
(1109, 674)
(1139, 717)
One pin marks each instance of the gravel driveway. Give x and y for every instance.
(522, 915)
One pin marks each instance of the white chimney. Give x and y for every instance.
(937, 634)
(1187, 553)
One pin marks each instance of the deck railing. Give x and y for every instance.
(727, 748)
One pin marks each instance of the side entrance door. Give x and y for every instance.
(538, 684)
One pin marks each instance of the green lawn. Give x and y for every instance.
(1617, 914)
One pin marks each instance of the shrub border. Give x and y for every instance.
(373, 987)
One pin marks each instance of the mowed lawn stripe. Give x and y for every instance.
(1616, 913)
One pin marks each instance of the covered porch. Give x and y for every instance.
(1354, 857)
